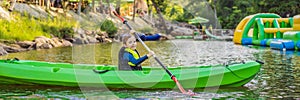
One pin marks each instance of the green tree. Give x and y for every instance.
(231, 12)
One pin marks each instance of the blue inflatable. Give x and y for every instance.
(246, 41)
(150, 37)
(264, 42)
(280, 44)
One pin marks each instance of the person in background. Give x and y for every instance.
(12, 5)
(141, 8)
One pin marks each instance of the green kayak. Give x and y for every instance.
(26, 72)
(183, 37)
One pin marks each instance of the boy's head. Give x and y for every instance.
(129, 41)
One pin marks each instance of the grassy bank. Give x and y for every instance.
(25, 27)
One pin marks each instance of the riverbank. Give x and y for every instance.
(30, 27)
(65, 28)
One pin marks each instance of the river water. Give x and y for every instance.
(279, 77)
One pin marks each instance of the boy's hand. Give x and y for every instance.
(132, 32)
(151, 53)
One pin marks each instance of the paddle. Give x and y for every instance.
(160, 63)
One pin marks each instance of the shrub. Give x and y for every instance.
(59, 27)
(66, 32)
(27, 28)
(109, 27)
(23, 28)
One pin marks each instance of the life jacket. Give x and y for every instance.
(125, 64)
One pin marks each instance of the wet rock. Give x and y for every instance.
(80, 37)
(70, 39)
(66, 43)
(100, 38)
(92, 39)
(79, 40)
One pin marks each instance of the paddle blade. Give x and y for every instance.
(191, 93)
(178, 85)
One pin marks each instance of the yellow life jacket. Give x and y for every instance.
(135, 55)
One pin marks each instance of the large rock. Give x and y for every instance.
(107, 40)
(182, 31)
(96, 17)
(41, 11)
(55, 42)
(30, 10)
(37, 45)
(42, 42)
(46, 46)
(42, 46)
(66, 43)
(2, 51)
(92, 39)
(4, 14)
(41, 39)
(80, 39)
(10, 49)
(25, 44)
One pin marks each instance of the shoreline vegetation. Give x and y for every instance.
(30, 27)
(41, 24)
(33, 27)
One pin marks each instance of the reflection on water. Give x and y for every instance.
(172, 53)
(278, 79)
(52, 92)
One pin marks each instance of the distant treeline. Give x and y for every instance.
(231, 12)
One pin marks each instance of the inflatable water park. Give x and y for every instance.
(268, 29)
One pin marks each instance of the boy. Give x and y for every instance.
(129, 58)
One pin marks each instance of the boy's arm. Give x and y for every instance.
(133, 60)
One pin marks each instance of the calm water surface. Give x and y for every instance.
(279, 77)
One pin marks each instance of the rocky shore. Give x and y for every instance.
(82, 35)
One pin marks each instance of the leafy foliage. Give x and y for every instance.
(60, 27)
(162, 4)
(185, 16)
(27, 28)
(174, 11)
(109, 27)
(231, 12)
(21, 29)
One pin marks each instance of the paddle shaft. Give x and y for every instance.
(148, 49)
